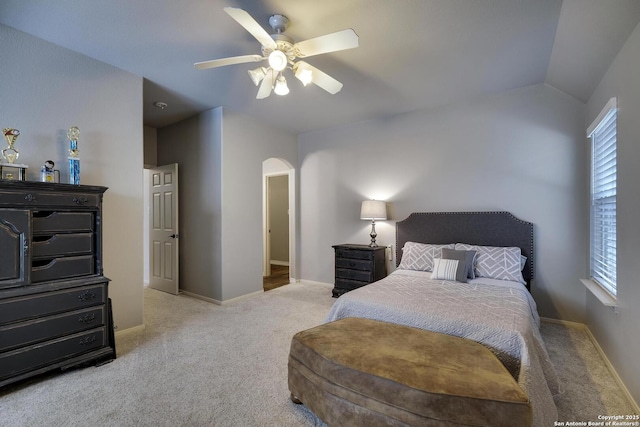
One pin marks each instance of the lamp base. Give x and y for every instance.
(373, 235)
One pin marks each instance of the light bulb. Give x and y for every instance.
(305, 75)
(278, 60)
(281, 86)
(257, 75)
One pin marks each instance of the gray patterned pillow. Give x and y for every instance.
(495, 262)
(419, 256)
(446, 269)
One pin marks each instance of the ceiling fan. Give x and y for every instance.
(282, 52)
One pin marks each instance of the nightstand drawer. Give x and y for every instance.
(345, 252)
(345, 285)
(362, 275)
(353, 263)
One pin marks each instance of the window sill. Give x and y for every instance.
(605, 297)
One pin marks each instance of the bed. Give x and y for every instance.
(495, 308)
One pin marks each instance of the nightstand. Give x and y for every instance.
(356, 266)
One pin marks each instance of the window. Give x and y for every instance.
(603, 197)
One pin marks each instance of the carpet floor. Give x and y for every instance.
(199, 364)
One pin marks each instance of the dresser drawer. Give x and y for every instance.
(344, 273)
(46, 328)
(35, 199)
(52, 222)
(23, 308)
(62, 244)
(62, 268)
(38, 355)
(352, 263)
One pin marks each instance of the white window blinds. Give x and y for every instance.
(603, 197)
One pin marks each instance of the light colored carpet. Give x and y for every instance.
(199, 364)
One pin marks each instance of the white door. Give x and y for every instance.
(163, 229)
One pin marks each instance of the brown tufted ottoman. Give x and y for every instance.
(361, 372)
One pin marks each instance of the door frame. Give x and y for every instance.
(266, 265)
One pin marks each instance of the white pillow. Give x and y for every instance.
(419, 256)
(496, 262)
(444, 269)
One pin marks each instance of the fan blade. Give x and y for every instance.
(266, 85)
(250, 24)
(228, 61)
(341, 40)
(322, 79)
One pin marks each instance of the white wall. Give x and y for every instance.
(45, 89)
(618, 333)
(522, 151)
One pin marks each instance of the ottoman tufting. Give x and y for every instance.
(362, 372)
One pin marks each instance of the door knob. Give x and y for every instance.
(174, 236)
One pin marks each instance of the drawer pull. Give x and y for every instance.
(86, 296)
(80, 200)
(87, 318)
(88, 340)
(30, 198)
(352, 264)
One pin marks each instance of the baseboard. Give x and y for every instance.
(218, 302)
(133, 329)
(607, 363)
(285, 263)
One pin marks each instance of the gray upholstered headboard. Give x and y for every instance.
(476, 228)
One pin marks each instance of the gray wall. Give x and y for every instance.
(522, 151)
(247, 143)
(45, 89)
(195, 144)
(220, 155)
(279, 217)
(618, 334)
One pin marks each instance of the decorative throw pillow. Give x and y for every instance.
(419, 256)
(496, 262)
(445, 269)
(466, 262)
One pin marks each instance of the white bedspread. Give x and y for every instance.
(501, 315)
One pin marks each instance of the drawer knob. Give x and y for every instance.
(80, 200)
(86, 296)
(30, 198)
(87, 340)
(87, 318)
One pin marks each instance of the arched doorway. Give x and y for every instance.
(279, 265)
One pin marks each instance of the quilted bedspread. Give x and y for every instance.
(498, 314)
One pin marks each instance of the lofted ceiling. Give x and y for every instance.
(413, 54)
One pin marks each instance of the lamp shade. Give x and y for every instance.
(373, 209)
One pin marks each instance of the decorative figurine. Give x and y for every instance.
(74, 153)
(10, 154)
(47, 173)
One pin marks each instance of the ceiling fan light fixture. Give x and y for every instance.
(278, 60)
(303, 74)
(257, 75)
(281, 86)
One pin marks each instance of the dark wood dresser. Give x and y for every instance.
(55, 310)
(356, 266)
